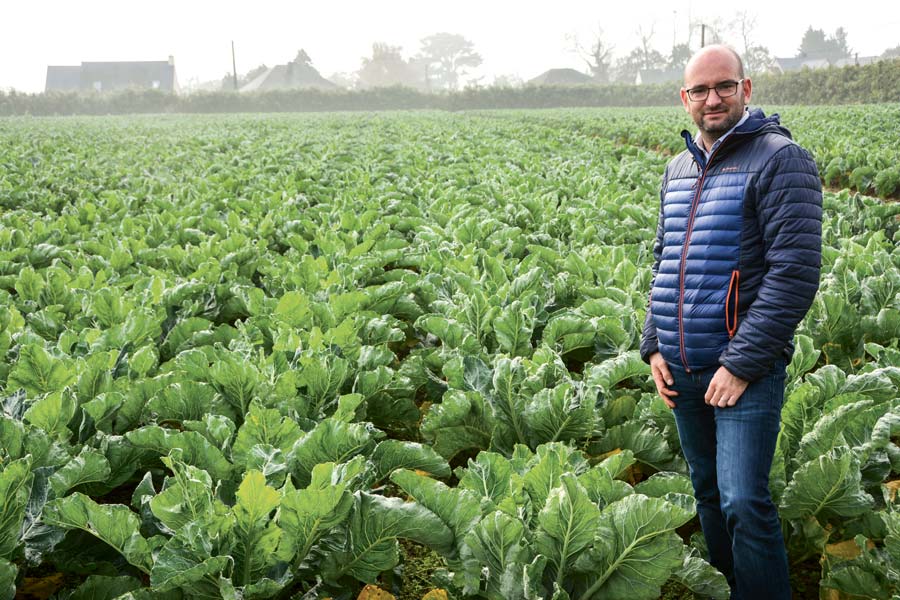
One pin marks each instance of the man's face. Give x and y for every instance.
(715, 115)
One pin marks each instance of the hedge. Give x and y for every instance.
(877, 82)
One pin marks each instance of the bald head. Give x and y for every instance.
(715, 55)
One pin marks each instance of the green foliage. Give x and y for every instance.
(8, 572)
(549, 514)
(15, 488)
(114, 524)
(266, 331)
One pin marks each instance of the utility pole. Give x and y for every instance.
(674, 28)
(690, 24)
(702, 35)
(233, 66)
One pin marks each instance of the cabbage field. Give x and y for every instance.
(288, 356)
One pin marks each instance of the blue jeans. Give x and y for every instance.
(729, 451)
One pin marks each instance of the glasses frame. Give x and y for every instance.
(704, 90)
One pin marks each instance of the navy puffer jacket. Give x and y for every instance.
(738, 252)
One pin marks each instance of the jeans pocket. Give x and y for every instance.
(779, 370)
(777, 378)
(764, 398)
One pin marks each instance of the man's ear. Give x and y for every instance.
(684, 100)
(748, 89)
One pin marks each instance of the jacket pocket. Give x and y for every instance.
(731, 304)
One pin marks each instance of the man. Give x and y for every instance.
(737, 258)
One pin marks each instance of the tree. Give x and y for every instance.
(648, 54)
(228, 78)
(386, 68)
(420, 67)
(301, 73)
(816, 45)
(627, 67)
(681, 54)
(507, 81)
(252, 74)
(710, 30)
(756, 57)
(345, 80)
(891, 52)
(746, 25)
(839, 42)
(447, 58)
(302, 58)
(641, 57)
(813, 43)
(598, 57)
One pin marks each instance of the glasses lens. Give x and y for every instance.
(729, 88)
(698, 93)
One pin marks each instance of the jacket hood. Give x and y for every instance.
(756, 124)
(759, 122)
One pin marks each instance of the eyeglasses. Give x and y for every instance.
(723, 90)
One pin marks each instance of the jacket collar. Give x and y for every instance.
(756, 123)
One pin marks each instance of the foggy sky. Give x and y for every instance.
(521, 38)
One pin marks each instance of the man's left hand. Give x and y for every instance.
(725, 389)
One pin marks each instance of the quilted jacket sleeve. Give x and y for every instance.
(789, 211)
(649, 342)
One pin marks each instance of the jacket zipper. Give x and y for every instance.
(731, 325)
(687, 242)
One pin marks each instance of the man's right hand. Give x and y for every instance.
(663, 379)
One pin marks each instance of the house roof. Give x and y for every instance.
(797, 63)
(289, 76)
(562, 77)
(646, 76)
(63, 78)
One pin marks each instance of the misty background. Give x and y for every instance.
(515, 41)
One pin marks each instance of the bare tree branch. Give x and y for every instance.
(597, 57)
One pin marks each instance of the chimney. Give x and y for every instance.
(171, 60)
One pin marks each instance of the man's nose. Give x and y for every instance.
(713, 98)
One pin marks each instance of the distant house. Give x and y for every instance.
(297, 74)
(111, 76)
(786, 65)
(647, 76)
(562, 77)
